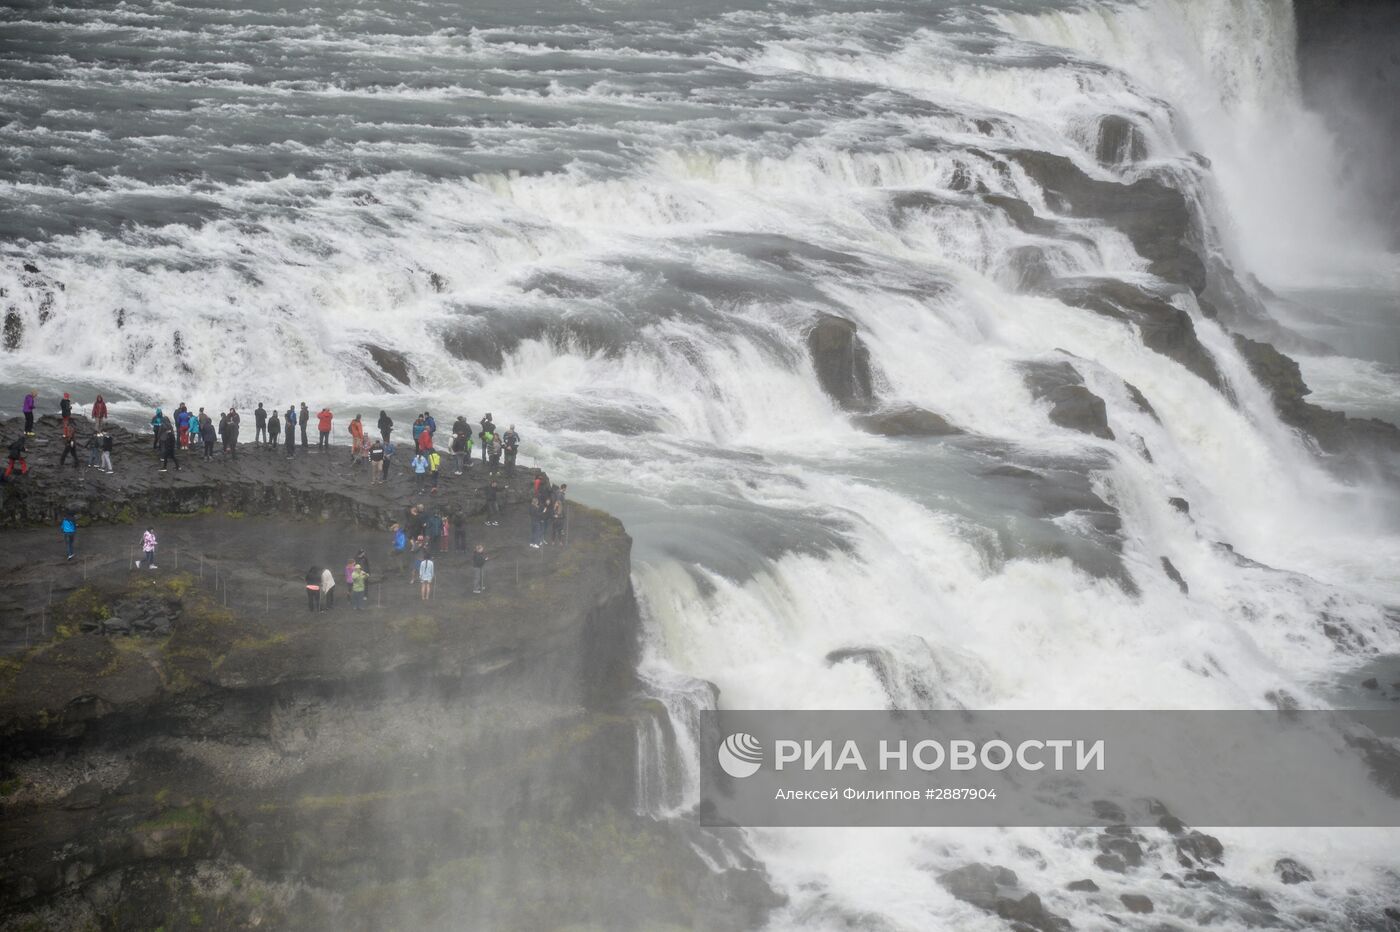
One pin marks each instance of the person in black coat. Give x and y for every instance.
(386, 425)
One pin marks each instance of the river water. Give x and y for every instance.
(612, 223)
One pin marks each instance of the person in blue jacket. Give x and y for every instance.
(70, 531)
(291, 430)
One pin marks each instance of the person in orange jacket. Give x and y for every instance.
(323, 424)
(357, 440)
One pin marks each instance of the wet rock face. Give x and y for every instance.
(1120, 142)
(906, 422)
(1156, 217)
(389, 363)
(1291, 872)
(1071, 404)
(996, 890)
(1333, 430)
(842, 362)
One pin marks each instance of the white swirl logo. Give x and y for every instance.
(741, 755)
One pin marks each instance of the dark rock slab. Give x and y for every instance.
(906, 421)
(1071, 404)
(842, 361)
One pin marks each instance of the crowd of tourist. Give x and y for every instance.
(430, 526)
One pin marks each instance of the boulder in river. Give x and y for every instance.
(842, 361)
(1071, 404)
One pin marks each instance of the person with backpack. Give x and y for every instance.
(510, 442)
(488, 429)
(479, 559)
(30, 400)
(182, 425)
(313, 589)
(148, 549)
(488, 438)
(107, 445)
(99, 412)
(65, 407)
(495, 453)
(196, 431)
(16, 455)
(259, 424)
(426, 570)
(385, 425)
(432, 530)
(323, 426)
(418, 427)
(425, 441)
(70, 443)
(70, 531)
(429, 424)
(291, 430)
(434, 467)
(157, 428)
(274, 430)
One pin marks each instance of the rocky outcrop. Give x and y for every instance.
(1165, 328)
(1120, 142)
(1333, 430)
(997, 890)
(907, 421)
(388, 363)
(1155, 216)
(842, 361)
(1071, 404)
(191, 746)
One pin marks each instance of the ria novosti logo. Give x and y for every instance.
(741, 755)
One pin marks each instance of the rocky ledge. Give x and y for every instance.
(190, 747)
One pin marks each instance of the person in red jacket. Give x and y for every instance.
(323, 424)
(425, 442)
(99, 413)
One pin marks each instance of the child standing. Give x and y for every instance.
(479, 559)
(426, 570)
(148, 549)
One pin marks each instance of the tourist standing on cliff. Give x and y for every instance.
(510, 441)
(426, 570)
(479, 559)
(16, 454)
(259, 424)
(274, 429)
(30, 401)
(386, 426)
(419, 463)
(99, 412)
(493, 504)
(398, 547)
(327, 589)
(357, 587)
(167, 450)
(231, 434)
(70, 443)
(357, 441)
(323, 426)
(106, 452)
(291, 430)
(157, 426)
(94, 448)
(461, 443)
(182, 425)
(206, 433)
(557, 520)
(303, 418)
(148, 548)
(488, 430)
(376, 463)
(70, 531)
(313, 589)
(65, 407)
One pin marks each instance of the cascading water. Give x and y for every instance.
(615, 225)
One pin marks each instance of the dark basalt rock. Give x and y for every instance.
(13, 331)
(842, 361)
(1175, 576)
(1165, 328)
(906, 422)
(1120, 141)
(1071, 404)
(992, 888)
(1290, 871)
(390, 363)
(1156, 217)
(1196, 848)
(1180, 504)
(1082, 886)
(1136, 903)
(1333, 430)
(1141, 401)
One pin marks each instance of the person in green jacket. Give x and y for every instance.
(359, 581)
